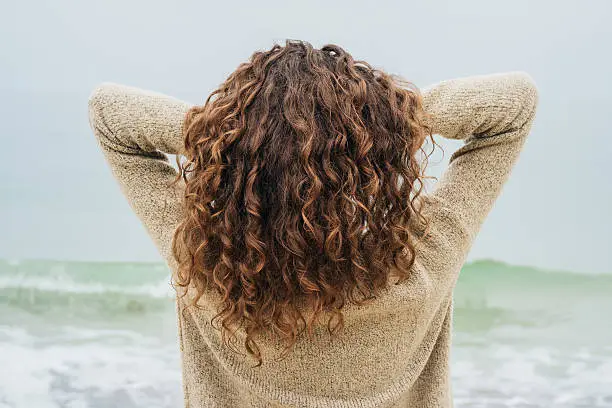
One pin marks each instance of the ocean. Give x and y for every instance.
(85, 334)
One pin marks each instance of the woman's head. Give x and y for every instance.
(301, 176)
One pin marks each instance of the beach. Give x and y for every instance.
(91, 334)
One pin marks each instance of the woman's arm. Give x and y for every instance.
(135, 129)
(493, 114)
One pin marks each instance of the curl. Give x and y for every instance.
(301, 180)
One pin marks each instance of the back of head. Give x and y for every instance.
(301, 177)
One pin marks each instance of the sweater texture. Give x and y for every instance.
(394, 351)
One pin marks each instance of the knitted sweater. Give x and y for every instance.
(392, 352)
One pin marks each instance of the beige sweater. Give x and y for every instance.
(393, 352)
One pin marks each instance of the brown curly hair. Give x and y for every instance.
(301, 175)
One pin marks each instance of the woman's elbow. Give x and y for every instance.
(100, 98)
(526, 97)
(528, 89)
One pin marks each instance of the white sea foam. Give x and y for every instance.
(80, 367)
(510, 376)
(81, 370)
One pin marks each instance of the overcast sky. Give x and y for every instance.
(58, 199)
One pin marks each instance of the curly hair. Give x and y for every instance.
(301, 175)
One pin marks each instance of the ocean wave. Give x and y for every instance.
(84, 289)
(160, 289)
(486, 289)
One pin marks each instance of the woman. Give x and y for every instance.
(299, 195)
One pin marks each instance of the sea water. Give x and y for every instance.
(79, 334)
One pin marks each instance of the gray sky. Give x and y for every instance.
(58, 199)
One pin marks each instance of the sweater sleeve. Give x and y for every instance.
(493, 115)
(135, 129)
